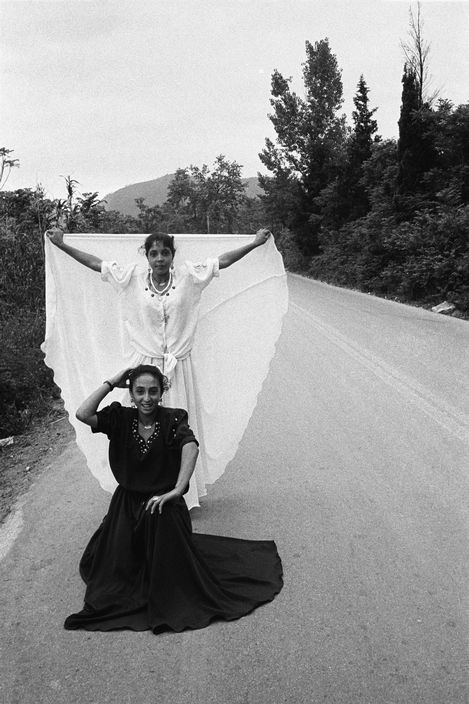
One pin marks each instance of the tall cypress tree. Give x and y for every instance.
(359, 150)
(346, 198)
(409, 136)
(416, 150)
(364, 125)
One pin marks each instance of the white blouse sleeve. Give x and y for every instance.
(116, 275)
(202, 273)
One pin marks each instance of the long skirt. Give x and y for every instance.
(150, 571)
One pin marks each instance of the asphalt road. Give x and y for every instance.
(356, 463)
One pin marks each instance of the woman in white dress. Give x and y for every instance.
(160, 309)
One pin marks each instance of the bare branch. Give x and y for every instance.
(416, 52)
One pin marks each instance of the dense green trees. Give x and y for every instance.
(26, 384)
(204, 200)
(417, 152)
(310, 139)
(24, 380)
(345, 198)
(389, 217)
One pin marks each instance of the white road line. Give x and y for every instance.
(447, 416)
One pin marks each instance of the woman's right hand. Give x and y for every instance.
(262, 236)
(55, 235)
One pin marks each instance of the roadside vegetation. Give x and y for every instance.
(390, 217)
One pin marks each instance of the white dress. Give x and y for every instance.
(214, 342)
(160, 331)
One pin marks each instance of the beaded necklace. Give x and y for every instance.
(144, 445)
(153, 286)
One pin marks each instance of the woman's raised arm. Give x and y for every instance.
(86, 413)
(56, 236)
(229, 258)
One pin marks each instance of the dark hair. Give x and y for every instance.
(166, 241)
(149, 369)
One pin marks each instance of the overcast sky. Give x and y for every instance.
(114, 92)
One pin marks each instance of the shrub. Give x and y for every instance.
(425, 259)
(26, 384)
(293, 259)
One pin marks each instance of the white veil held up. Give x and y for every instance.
(240, 321)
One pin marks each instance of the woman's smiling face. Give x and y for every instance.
(146, 393)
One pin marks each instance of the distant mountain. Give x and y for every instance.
(155, 192)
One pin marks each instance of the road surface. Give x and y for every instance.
(356, 463)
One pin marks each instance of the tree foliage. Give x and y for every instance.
(204, 200)
(345, 198)
(417, 153)
(26, 384)
(413, 244)
(390, 217)
(310, 138)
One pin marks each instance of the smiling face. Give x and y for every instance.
(146, 393)
(160, 258)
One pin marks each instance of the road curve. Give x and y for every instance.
(356, 463)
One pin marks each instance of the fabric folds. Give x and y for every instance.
(217, 381)
(147, 571)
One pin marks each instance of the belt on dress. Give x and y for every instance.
(168, 361)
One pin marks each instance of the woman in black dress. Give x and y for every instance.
(144, 568)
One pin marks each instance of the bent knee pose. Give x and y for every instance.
(144, 569)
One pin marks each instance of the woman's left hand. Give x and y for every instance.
(158, 501)
(121, 379)
(262, 236)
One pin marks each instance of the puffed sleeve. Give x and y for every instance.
(116, 275)
(203, 272)
(109, 420)
(179, 431)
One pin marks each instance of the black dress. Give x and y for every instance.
(149, 571)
